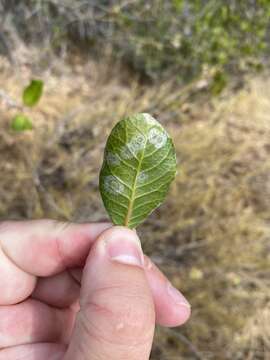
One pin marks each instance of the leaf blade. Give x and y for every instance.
(21, 123)
(139, 161)
(32, 93)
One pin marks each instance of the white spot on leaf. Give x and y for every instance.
(142, 177)
(125, 153)
(149, 119)
(133, 147)
(136, 143)
(157, 138)
(112, 185)
(112, 159)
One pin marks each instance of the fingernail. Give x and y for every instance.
(177, 297)
(125, 250)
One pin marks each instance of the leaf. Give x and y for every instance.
(32, 93)
(218, 83)
(21, 123)
(139, 165)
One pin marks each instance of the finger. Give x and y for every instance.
(76, 273)
(33, 321)
(42, 351)
(15, 284)
(117, 316)
(172, 308)
(60, 290)
(46, 247)
(40, 248)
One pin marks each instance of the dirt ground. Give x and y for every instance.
(212, 234)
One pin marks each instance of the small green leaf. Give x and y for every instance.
(139, 165)
(218, 83)
(21, 123)
(32, 93)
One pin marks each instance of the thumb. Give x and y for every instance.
(117, 316)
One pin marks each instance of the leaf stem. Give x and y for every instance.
(131, 203)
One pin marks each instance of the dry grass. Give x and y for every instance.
(212, 234)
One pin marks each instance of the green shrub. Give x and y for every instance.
(184, 37)
(31, 95)
(157, 38)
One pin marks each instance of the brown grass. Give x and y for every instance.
(212, 234)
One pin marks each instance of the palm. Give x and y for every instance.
(47, 315)
(40, 299)
(41, 265)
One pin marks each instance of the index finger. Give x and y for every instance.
(40, 248)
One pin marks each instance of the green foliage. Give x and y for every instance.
(32, 93)
(21, 123)
(139, 165)
(184, 37)
(31, 96)
(157, 38)
(218, 83)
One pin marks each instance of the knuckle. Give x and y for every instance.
(115, 316)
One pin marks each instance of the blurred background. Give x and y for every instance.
(200, 67)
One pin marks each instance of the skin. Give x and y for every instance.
(79, 292)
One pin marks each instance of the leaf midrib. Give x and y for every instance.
(132, 198)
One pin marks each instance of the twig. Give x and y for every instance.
(46, 200)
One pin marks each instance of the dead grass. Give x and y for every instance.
(212, 234)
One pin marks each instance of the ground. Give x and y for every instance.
(211, 236)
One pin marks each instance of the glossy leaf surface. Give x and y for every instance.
(139, 165)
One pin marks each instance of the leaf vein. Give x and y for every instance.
(149, 192)
(116, 202)
(144, 204)
(155, 180)
(125, 163)
(136, 127)
(117, 213)
(160, 162)
(152, 153)
(119, 179)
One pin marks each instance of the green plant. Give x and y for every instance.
(182, 37)
(32, 93)
(139, 165)
(21, 123)
(157, 38)
(31, 96)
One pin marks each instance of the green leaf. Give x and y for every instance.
(21, 123)
(139, 165)
(32, 93)
(218, 83)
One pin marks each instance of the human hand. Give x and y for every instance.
(73, 292)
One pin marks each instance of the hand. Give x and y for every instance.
(78, 292)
